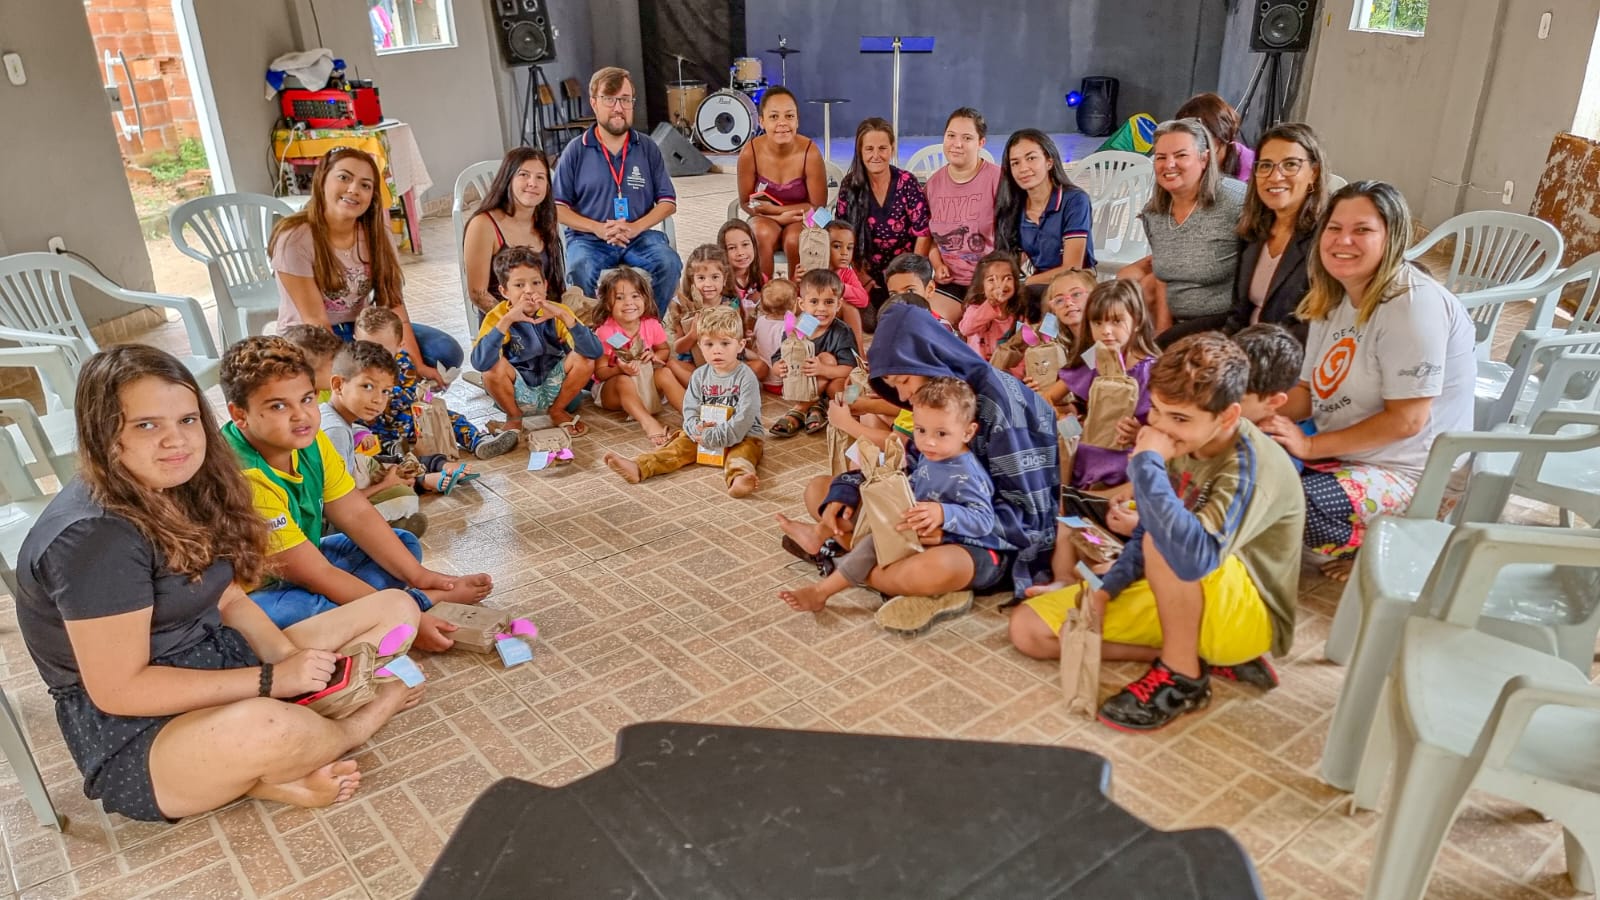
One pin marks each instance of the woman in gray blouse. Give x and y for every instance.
(1190, 221)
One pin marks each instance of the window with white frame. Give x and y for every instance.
(401, 25)
(1393, 16)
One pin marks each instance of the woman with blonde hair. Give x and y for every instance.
(168, 680)
(334, 257)
(1389, 365)
(1188, 277)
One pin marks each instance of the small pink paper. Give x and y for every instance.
(396, 640)
(788, 324)
(1091, 537)
(1029, 337)
(524, 628)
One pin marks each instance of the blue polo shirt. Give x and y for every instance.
(585, 179)
(1068, 214)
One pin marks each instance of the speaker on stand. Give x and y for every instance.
(1279, 27)
(1097, 110)
(528, 38)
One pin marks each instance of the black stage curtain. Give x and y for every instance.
(709, 34)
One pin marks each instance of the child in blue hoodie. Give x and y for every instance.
(954, 496)
(533, 352)
(1015, 444)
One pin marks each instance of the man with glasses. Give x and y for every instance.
(611, 190)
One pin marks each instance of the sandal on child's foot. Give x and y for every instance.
(448, 482)
(816, 418)
(791, 424)
(912, 615)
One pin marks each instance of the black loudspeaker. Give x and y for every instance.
(1282, 26)
(681, 157)
(1097, 113)
(526, 35)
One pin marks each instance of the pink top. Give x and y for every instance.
(650, 330)
(787, 193)
(294, 255)
(854, 293)
(769, 337)
(983, 325)
(1261, 282)
(961, 218)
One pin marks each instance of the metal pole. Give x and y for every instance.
(895, 109)
(827, 134)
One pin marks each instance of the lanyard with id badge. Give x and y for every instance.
(619, 203)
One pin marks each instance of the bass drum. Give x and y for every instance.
(726, 121)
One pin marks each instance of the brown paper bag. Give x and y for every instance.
(1008, 353)
(1043, 364)
(352, 692)
(813, 249)
(476, 626)
(586, 309)
(797, 387)
(838, 446)
(434, 434)
(885, 497)
(1113, 396)
(1080, 657)
(1094, 545)
(645, 381)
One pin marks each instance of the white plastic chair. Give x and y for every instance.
(1498, 257)
(1468, 711)
(1555, 609)
(930, 159)
(1527, 382)
(1096, 172)
(21, 502)
(1335, 182)
(1119, 237)
(56, 430)
(477, 177)
(232, 232)
(1568, 481)
(38, 308)
(1585, 312)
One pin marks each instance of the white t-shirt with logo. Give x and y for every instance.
(1419, 344)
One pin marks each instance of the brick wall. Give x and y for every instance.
(144, 31)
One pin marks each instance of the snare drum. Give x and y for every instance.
(726, 121)
(746, 70)
(683, 101)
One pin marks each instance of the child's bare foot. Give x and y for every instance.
(743, 485)
(1339, 569)
(806, 599)
(468, 589)
(627, 468)
(801, 533)
(335, 782)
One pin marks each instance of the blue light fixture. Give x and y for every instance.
(1074, 98)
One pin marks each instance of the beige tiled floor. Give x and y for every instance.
(659, 602)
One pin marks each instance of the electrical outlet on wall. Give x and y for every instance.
(1505, 196)
(1544, 26)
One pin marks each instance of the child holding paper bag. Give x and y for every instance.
(632, 373)
(823, 366)
(724, 384)
(954, 504)
(1119, 347)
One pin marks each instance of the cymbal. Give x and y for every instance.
(782, 51)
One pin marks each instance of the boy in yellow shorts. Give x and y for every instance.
(1207, 584)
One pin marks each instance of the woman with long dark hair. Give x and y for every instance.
(167, 678)
(1234, 159)
(885, 206)
(334, 257)
(517, 211)
(776, 203)
(1279, 227)
(1389, 366)
(1039, 213)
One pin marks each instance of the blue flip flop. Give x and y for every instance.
(448, 483)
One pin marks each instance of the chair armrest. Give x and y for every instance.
(1521, 289)
(1553, 420)
(66, 341)
(21, 413)
(54, 370)
(1460, 580)
(1521, 697)
(1450, 446)
(194, 317)
(1420, 248)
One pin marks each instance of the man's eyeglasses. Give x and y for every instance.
(615, 102)
(1290, 167)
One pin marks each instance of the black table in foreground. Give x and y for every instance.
(715, 811)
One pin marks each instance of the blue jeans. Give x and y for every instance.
(286, 603)
(588, 256)
(439, 349)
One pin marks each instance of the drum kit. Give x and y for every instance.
(725, 120)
